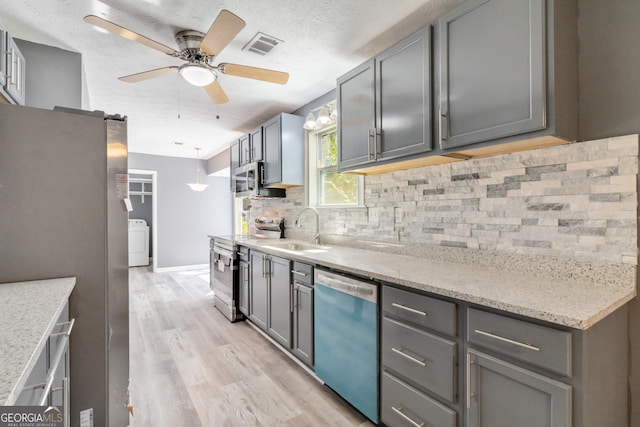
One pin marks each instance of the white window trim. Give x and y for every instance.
(312, 174)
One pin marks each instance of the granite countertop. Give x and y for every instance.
(28, 314)
(573, 303)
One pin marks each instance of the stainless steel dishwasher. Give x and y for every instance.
(346, 338)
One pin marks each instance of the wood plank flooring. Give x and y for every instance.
(191, 367)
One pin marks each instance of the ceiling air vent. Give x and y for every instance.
(262, 44)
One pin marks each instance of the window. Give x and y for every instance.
(327, 186)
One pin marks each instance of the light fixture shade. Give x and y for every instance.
(310, 122)
(323, 117)
(334, 114)
(196, 186)
(197, 74)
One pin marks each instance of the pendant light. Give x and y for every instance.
(197, 186)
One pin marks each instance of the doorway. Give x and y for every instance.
(143, 192)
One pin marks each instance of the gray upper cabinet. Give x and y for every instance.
(283, 154)
(507, 68)
(244, 144)
(3, 56)
(502, 394)
(255, 143)
(356, 104)
(234, 162)
(385, 105)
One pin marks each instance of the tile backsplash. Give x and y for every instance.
(575, 201)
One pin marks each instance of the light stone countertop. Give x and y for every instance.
(572, 303)
(28, 314)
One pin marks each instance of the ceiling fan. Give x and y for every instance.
(198, 50)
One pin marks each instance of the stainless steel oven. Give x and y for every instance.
(224, 276)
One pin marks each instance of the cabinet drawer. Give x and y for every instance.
(426, 359)
(539, 345)
(302, 273)
(403, 405)
(419, 309)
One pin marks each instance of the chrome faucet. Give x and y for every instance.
(316, 237)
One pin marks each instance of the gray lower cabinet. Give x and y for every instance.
(259, 289)
(280, 300)
(243, 280)
(271, 295)
(302, 342)
(385, 105)
(48, 382)
(503, 394)
(507, 67)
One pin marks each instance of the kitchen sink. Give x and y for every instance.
(299, 247)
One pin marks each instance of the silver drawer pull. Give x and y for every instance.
(528, 346)
(413, 359)
(409, 309)
(299, 273)
(240, 254)
(406, 417)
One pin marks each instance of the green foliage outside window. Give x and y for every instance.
(335, 188)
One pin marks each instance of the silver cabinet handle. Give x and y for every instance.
(369, 144)
(468, 378)
(440, 138)
(528, 346)
(240, 254)
(375, 143)
(291, 304)
(19, 74)
(264, 268)
(12, 75)
(408, 356)
(262, 174)
(299, 273)
(406, 417)
(409, 309)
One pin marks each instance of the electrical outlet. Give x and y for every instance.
(397, 215)
(374, 216)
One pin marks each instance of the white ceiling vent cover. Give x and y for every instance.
(262, 44)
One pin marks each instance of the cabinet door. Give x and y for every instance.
(255, 140)
(259, 289)
(16, 77)
(403, 97)
(243, 290)
(272, 156)
(492, 85)
(245, 149)
(234, 162)
(280, 300)
(502, 394)
(3, 57)
(303, 323)
(356, 121)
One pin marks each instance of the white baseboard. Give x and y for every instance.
(182, 268)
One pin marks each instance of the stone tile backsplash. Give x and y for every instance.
(575, 201)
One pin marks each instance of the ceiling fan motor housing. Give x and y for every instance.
(189, 44)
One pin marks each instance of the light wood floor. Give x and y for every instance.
(191, 367)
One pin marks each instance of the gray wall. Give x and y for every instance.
(185, 217)
(54, 76)
(610, 105)
(218, 162)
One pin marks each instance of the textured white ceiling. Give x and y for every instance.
(323, 39)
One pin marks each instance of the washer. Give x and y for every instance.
(138, 242)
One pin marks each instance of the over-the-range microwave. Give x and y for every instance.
(249, 182)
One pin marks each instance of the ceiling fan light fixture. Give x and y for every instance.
(197, 74)
(310, 122)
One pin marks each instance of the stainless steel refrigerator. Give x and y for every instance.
(63, 193)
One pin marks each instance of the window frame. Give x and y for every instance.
(314, 172)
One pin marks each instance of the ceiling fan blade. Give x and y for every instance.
(216, 93)
(272, 76)
(128, 34)
(146, 75)
(222, 31)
